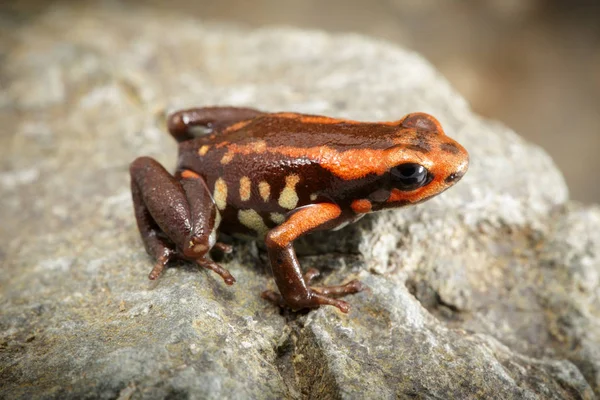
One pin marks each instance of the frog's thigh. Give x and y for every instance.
(284, 263)
(187, 124)
(160, 202)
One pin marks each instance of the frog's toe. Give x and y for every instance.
(318, 299)
(223, 247)
(354, 286)
(310, 275)
(213, 266)
(159, 267)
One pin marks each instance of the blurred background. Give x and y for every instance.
(532, 64)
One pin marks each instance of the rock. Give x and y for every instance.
(490, 290)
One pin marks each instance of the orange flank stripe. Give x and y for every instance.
(361, 206)
(188, 174)
(303, 221)
(348, 165)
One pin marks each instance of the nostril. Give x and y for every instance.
(453, 177)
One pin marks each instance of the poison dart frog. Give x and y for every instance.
(280, 176)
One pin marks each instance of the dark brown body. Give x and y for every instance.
(279, 176)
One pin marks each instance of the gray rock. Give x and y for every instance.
(490, 290)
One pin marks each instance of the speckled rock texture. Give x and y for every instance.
(490, 290)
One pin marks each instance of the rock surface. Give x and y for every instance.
(491, 290)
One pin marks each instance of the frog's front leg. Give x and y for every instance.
(176, 218)
(293, 286)
(187, 124)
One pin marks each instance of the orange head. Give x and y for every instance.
(422, 163)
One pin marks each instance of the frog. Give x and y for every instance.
(278, 176)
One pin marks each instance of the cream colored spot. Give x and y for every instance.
(265, 190)
(288, 197)
(212, 238)
(217, 220)
(253, 220)
(199, 248)
(313, 197)
(259, 146)
(278, 218)
(227, 158)
(245, 188)
(203, 150)
(220, 195)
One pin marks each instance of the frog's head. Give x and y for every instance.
(422, 163)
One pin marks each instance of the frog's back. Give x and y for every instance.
(308, 131)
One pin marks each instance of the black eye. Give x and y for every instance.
(409, 176)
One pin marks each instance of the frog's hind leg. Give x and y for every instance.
(188, 124)
(175, 219)
(157, 243)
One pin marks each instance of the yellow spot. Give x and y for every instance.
(245, 188)
(252, 220)
(278, 218)
(288, 197)
(227, 158)
(220, 194)
(203, 150)
(265, 190)
(313, 197)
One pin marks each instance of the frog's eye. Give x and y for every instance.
(409, 176)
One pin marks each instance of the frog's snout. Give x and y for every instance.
(459, 171)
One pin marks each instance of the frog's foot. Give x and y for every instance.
(213, 266)
(319, 295)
